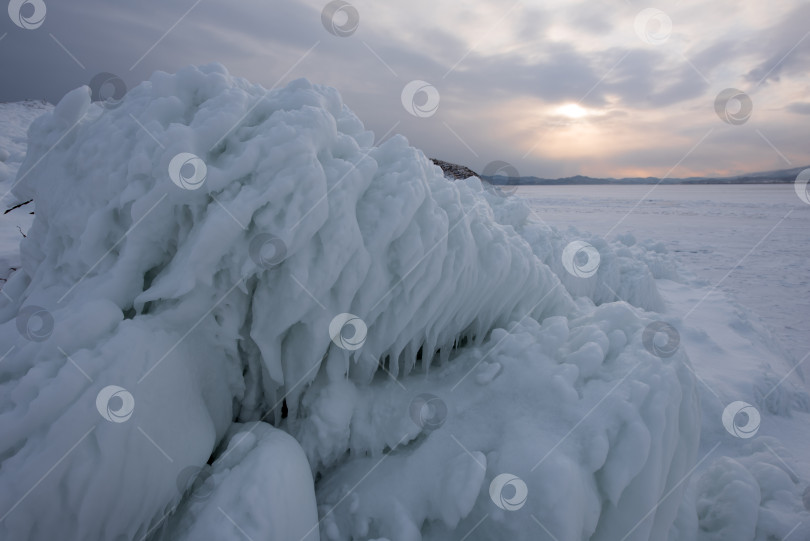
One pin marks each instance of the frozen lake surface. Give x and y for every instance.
(752, 241)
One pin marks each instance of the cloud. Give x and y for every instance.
(801, 108)
(786, 46)
(503, 70)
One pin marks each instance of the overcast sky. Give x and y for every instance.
(555, 88)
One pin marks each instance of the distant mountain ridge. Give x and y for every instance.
(781, 176)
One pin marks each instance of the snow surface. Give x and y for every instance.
(749, 240)
(737, 353)
(166, 338)
(14, 121)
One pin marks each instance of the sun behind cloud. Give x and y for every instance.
(571, 110)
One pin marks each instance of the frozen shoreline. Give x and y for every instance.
(547, 350)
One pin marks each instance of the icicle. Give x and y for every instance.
(276, 411)
(337, 363)
(479, 332)
(444, 355)
(393, 364)
(428, 351)
(409, 359)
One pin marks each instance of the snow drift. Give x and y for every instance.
(192, 248)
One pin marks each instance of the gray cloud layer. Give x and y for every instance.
(501, 79)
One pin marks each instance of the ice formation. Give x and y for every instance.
(14, 121)
(168, 312)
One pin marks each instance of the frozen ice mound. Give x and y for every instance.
(254, 489)
(627, 270)
(753, 496)
(168, 312)
(596, 429)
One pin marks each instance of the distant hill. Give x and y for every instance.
(765, 177)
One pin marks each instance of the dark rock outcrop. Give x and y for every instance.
(454, 171)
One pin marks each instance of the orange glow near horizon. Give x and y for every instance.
(616, 141)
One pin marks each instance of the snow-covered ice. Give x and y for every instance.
(739, 300)
(236, 317)
(14, 121)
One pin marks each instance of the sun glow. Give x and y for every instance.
(572, 110)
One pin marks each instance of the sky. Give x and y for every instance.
(555, 88)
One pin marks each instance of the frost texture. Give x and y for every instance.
(157, 290)
(755, 496)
